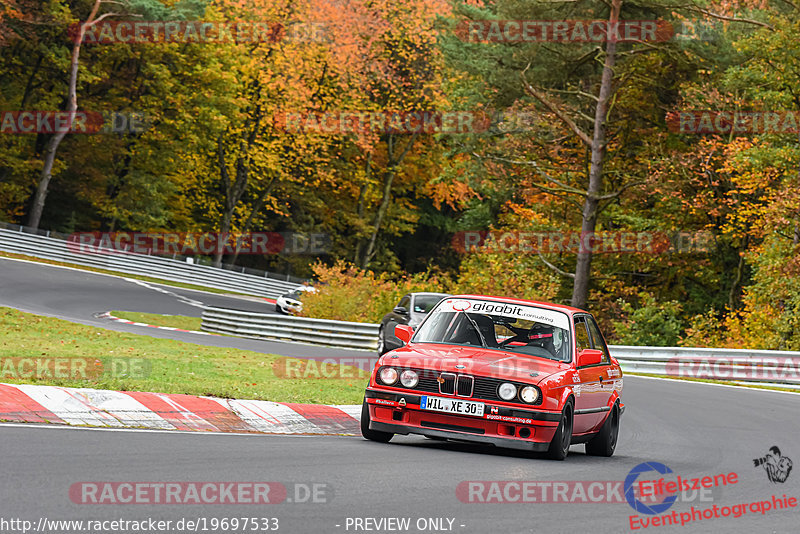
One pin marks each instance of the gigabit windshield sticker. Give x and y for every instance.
(517, 311)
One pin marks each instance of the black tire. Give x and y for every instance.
(559, 446)
(604, 443)
(279, 310)
(381, 342)
(372, 435)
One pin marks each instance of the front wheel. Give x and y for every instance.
(381, 342)
(604, 443)
(372, 435)
(559, 446)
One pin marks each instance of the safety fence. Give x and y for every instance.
(341, 334)
(16, 240)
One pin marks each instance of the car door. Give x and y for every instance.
(605, 368)
(589, 392)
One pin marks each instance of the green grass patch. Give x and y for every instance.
(105, 359)
(175, 321)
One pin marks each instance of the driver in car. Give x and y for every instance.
(549, 338)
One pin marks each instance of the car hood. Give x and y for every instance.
(475, 361)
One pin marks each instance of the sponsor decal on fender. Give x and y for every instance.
(509, 419)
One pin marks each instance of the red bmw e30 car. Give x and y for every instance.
(508, 372)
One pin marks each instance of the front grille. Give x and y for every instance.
(486, 389)
(464, 385)
(447, 383)
(428, 384)
(482, 388)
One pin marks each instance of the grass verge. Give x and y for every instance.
(175, 321)
(753, 385)
(72, 355)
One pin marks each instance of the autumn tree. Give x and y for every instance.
(589, 104)
(51, 148)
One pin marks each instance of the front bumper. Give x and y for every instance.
(289, 308)
(398, 413)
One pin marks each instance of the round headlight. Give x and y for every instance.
(529, 394)
(409, 378)
(507, 391)
(388, 375)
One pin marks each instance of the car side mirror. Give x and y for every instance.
(403, 332)
(401, 310)
(589, 357)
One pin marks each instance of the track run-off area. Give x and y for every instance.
(343, 483)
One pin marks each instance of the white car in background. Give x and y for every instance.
(290, 303)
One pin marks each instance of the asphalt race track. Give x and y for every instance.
(696, 430)
(77, 296)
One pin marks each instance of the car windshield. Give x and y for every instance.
(511, 327)
(425, 303)
(294, 295)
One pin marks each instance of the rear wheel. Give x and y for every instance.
(604, 443)
(373, 435)
(559, 446)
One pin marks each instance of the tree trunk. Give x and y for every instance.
(233, 194)
(234, 191)
(72, 106)
(796, 236)
(249, 222)
(222, 236)
(362, 192)
(583, 267)
(388, 179)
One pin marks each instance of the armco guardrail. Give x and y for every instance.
(270, 326)
(768, 367)
(139, 264)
